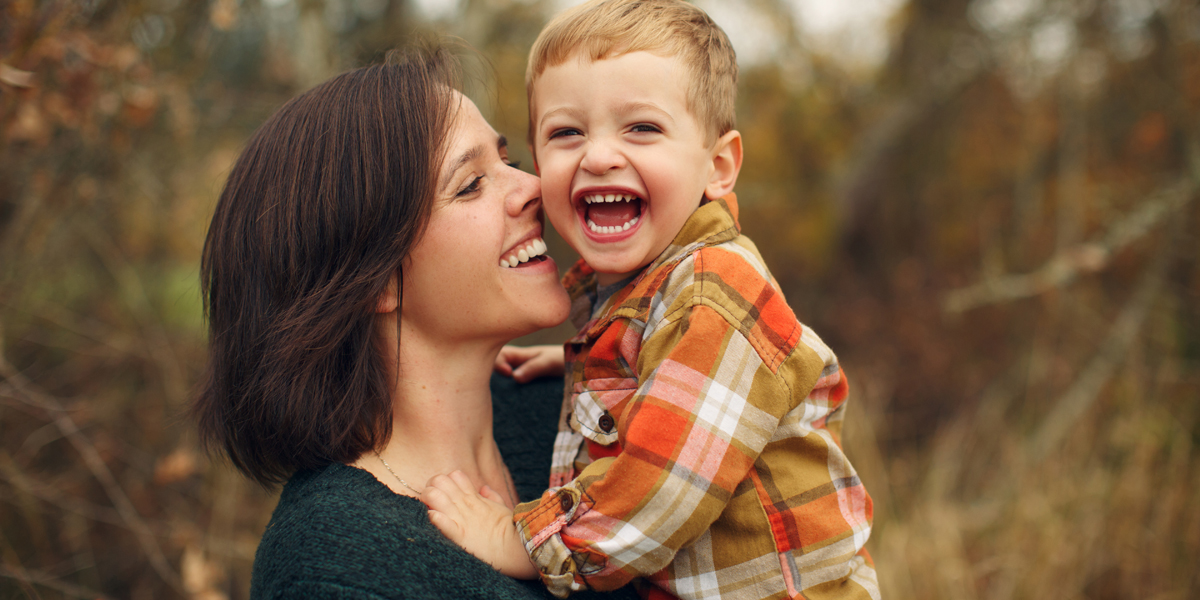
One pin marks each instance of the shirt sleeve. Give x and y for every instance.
(704, 408)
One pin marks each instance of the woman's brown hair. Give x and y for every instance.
(320, 209)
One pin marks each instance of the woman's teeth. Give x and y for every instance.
(534, 247)
(613, 228)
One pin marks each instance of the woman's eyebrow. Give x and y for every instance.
(466, 157)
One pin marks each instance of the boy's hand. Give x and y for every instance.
(481, 524)
(529, 363)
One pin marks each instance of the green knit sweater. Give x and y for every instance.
(337, 532)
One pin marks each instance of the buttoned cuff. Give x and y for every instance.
(540, 526)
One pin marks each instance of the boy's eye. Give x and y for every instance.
(557, 133)
(645, 128)
(471, 188)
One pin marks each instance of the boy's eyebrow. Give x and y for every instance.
(628, 107)
(633, 106)
(570, 111)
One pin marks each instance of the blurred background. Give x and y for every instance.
(986, 207)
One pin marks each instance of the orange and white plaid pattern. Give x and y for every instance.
(698, 448)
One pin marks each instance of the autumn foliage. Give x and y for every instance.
(995, 228)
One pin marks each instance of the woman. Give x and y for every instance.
(358, 286)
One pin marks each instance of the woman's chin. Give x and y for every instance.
(547, 309)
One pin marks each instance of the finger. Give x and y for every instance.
(443, 482)
(449, 527)
(448, 494)
(487, 492)
(437, 499)
(502, 367)
(464, 483)
(516, 355)
(522, 374)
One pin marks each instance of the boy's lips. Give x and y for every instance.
(609, 214)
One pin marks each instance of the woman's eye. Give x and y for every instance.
(471, 188)
(516, 164)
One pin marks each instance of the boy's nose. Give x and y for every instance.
(601, 158)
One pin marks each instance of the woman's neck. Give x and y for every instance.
(442, 417)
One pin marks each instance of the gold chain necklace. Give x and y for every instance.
(512, 493)
(389, 468)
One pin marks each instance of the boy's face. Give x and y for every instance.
(623, 161)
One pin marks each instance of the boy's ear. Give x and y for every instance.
(389, 299)
(727, 162)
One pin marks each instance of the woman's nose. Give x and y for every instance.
(526, 193)
(601, 157)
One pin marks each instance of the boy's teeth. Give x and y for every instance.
(613, 228)
(608, 198)
(534, 248)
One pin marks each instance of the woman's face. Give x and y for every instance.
(464, 280)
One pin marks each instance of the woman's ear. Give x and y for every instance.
(389, 299)
(727, 162)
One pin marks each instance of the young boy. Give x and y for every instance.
(698, 451)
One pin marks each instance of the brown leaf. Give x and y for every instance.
(15, 77)
(176, 466)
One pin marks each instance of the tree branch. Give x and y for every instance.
(20, 387)
(1087, 387)
(28, 576)
(1088, 257)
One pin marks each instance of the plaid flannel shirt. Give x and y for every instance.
(698, 445)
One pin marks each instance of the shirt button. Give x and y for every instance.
(606, 423)
(566, 501)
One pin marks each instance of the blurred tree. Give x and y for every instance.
(995, 229)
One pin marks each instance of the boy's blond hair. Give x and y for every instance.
(601, 29)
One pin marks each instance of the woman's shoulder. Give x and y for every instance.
(339, 532)
(341, 500)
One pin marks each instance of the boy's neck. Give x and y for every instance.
(607, 279)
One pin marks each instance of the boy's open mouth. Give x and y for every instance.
(611, 213)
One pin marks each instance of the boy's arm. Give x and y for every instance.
(705, 408)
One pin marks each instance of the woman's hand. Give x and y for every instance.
(524, 364)
(481, 523)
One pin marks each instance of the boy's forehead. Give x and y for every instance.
(581, 59)
(672, 77)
